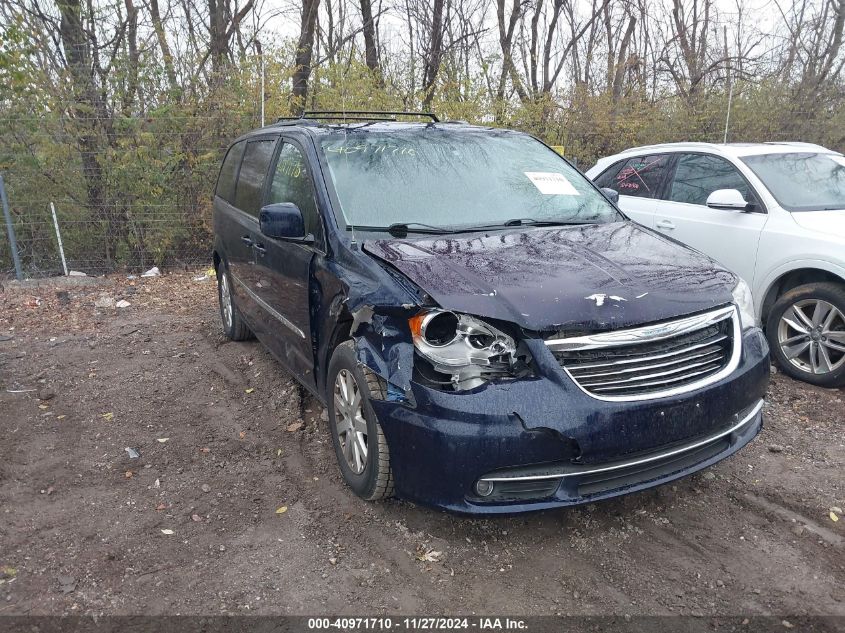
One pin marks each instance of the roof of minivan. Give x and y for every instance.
(319, 128)
(733, 149)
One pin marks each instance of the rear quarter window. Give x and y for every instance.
(229, 171)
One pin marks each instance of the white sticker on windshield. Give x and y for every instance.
(551, 183)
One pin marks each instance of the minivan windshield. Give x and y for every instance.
(802, 181)
(431, 179)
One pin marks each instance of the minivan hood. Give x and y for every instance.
(585, 277)
(829, 222)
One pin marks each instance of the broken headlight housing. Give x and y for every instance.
(464, 352)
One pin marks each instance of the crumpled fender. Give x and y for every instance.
(383, 344)
(378, 302)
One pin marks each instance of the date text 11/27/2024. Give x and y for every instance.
(416, 624)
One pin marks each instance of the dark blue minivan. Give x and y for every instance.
(488, 331)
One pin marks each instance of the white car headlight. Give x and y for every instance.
(745, 304)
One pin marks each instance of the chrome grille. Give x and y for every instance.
(655, 360)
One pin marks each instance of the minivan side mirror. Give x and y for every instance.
(729, 199)
(611, 194)
(282, 220)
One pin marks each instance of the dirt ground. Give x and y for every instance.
(194, 525)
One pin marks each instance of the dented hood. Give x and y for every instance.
(550, 278)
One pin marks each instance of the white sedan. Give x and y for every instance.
(774, 213)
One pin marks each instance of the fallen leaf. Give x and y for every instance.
(250, 390)
(43, 406)
(196, 518)
(61, 417)
(162, 440)
(9, 572)
(242, 434)
(278, 452)
(161, 506)
(168, 532)
(295, 426)
(281, 509)
(833, 517)
(157, 484)
(128, 474)
(107, 416)
(428, 556)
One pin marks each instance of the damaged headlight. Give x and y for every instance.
(466, 350)
(745, 304)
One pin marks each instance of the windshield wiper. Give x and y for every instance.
(526, 222)
(401, 229)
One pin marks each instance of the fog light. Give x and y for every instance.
(484, 488)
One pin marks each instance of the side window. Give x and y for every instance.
(608, 176)
(253, 171)
(699, 175)
(640, 177)
(292, 183)
(229, 171)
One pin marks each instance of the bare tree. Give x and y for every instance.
(369, 29)
(161, 37)
(434, 53)
(304, 51)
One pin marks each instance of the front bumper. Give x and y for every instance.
(571, 448)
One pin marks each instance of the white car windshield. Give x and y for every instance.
(450, 180)
(802, 181)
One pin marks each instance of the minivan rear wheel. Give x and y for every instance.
(234, 327)
(359, 443)
(806, 332)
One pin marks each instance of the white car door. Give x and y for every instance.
(638, 180)
(729, 237)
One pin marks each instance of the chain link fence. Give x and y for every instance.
(129, 193)
(150, 235)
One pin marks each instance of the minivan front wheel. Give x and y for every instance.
(359, 442)
(234, 327)
(806, 331)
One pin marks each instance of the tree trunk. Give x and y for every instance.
(218, 42)
(132, 62)
(304, 52)
(166, 55)
(435, 53)
(369, 28)
(86, 109)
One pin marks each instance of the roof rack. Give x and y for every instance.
(356, 115)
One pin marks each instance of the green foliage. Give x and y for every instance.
(159, 150)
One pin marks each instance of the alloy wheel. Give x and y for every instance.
(225, 301)
(349, 418)
(811, 335)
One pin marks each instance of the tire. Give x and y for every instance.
(806, 332)
(234, 326)
(369, 476)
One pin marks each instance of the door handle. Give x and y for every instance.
(246, 239)
(665, 224)
(259, 248)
